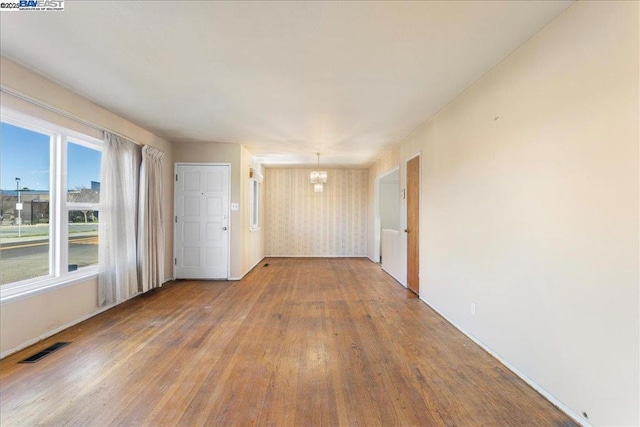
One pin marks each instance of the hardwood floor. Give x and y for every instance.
(300, 342)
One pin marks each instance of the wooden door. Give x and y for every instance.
(202, 222)
(413, 224)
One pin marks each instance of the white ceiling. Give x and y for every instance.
(286, 79)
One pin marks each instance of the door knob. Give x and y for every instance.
(224, 228)
(406, 230)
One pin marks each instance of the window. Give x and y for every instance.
(25, 237)
(255, 205)
(48, 224)
(83, 198)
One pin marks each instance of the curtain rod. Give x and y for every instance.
(63, 113)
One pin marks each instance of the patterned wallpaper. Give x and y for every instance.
(299, 222)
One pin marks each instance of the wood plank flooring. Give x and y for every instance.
(300, 342)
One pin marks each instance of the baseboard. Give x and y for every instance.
(53, 332)
(247, 272)
(66, 325)
(396, 279)
(253, 266)
(564, 408)
(317, 256)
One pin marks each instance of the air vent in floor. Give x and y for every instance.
(47, 351)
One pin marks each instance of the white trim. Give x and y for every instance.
(61, 216)
(23, 96)
(53, 332)
(254, 266)
(83, 206)
(66, 325)
(414, 155)
(49, 128)
(254, 203)
(248, 271)
(58, 276)
(28, 290)
(537, 387)
(25, 121)
(377, 231)
(317, 256)
(86, 141)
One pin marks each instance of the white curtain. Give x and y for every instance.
(150, 224)
(117, 281)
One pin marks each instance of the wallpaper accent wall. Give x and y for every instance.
(300, 222)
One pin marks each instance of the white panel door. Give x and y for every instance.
(202, 222)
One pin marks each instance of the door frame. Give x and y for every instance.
(377, 231)
(406, 212)
(175, 200)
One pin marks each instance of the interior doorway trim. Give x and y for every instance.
(376, 212)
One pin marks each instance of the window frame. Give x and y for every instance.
(255, 189)
(73, 206)
(58, 276)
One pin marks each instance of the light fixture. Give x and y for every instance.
(318, 177)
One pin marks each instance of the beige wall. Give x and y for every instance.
(252, 241)
(67, 305)
(300, 222)
(383, 166)
(26, 320)
(246, 248)
(530, 207)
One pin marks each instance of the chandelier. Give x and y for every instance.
(318, 177)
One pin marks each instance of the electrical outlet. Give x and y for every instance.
(473, 308)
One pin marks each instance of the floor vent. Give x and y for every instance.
(47, 351)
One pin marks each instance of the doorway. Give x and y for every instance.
(201, 224)
(413, 224)
(388, 206)
(390, 247)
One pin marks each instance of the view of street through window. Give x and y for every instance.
(35, 241)
(27, 256)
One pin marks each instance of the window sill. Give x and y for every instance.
(18, 292)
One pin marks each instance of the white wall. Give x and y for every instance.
(389, 201)
(394, 254)
(530, 207)
(27, 320)
(300, 222)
